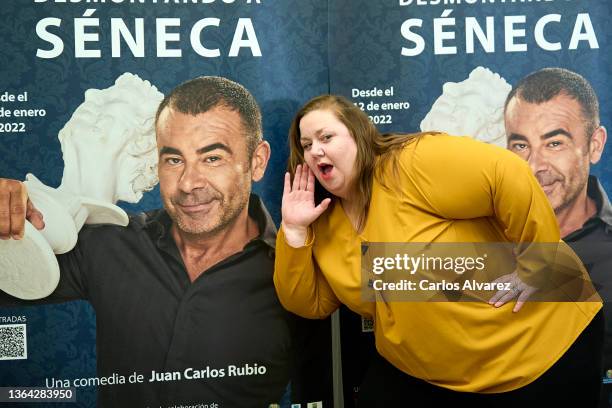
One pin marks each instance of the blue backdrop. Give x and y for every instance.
(308, 47)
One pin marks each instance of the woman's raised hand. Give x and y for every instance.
(298, 207)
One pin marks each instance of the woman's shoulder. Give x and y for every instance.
(436, 140)
(436, 147)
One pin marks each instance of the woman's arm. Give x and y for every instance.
(300, 285)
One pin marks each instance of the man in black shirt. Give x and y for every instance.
(184, 295)
(552, 121)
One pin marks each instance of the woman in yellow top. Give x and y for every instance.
(451, 189)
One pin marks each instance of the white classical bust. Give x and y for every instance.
(110, 154)
(473, 107)
(108, 144)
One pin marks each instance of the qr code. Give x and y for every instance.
(13, 343)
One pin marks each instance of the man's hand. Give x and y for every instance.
(15, 208)
(298, 208)
(518, 288)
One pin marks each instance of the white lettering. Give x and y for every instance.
(54, 40)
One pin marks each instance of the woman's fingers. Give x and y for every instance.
(500, 293)
(523, 297)
(311, 181)
(296, 177)
(508, 296)
(304, 177)
(303, 180)
(518, 289)
(287, 185)
(320, 209)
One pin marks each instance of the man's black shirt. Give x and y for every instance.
(593, 244)
(150, 317)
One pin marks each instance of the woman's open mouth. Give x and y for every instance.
(325, 170)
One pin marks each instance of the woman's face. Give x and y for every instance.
(329, 150)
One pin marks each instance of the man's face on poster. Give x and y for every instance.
(205, 172)
(552, 137)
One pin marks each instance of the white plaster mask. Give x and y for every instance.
(109, 145)
(473, 107)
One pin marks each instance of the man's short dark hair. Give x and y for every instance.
(543, 85)
(204, 93)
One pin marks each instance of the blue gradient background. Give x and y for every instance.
(309, 47)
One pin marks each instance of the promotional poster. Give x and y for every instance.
(81, 81)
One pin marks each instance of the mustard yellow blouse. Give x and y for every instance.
(452, 189)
